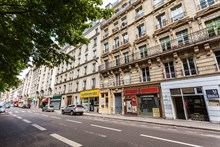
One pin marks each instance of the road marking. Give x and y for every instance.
(44, 115)
(93, 133)
(27, 121)
(16, 112)
(22, 111)
(14, 115)
(29, 111)
(73, 121)
(65, 140)
(10, 112)
(113, 129)
(168, 140)
(39, 127)
(19, 117)
(211, 135)
(55, 117)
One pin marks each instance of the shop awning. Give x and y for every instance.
(45, 100)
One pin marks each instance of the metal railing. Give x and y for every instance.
(195, 37)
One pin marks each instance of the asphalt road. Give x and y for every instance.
(33, 128)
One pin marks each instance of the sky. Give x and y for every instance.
(24, 72)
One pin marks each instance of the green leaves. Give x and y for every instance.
(28, 30)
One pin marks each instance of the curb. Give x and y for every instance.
(173, 125)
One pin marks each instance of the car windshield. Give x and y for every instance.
(51, 106)
(79, 106)
(1, 106)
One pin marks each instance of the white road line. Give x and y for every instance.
(44, 115)
(10, 112)
(73, 121)
(19, 117)
(39, 127)
(27, 121)
(65, 140)
(14, 115)
(168, 140)
(55, 117)
(93, 133)
(22, 111)
(211, 135)
(106, 128)
(16, 112)
(29, 111)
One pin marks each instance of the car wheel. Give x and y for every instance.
(81, 114)
(42, 110)
(71, 113)
(63, 112)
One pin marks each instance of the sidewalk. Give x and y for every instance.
(176, 123)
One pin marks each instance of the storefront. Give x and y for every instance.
(143, 101)
(192, 99)
(90, 100)
(56, 101)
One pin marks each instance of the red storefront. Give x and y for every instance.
(144, 101)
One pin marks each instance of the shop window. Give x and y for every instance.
(199, 90)
(145, 74)
(217, 55)
(213, 27)
(175, 91)
(189, 66)
(169, 70)
(188, 90)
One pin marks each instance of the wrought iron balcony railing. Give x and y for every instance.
(195, 37)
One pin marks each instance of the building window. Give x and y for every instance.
(94, 53)
(127, 78)
(84, 84)
(105, 32)
(106, 64)
(189, 66)
(205, 3)
(177, 13)
(165, 43)
(77, 86)
(124, 38)
(169, 70)
(161, 21)
(94, 67)
(93, 83)
(85, 70)
(145, 74)
(143, 51)
(116, 27)
(117, 80)
(116, 42)
(78, 72)
(126, 57)
(87, 47)
(80, 51)
(105, 82)
(117, 60)
(139, 12)
(124, 21)
(213, 27)
(94, 42)
(141, 30)
(106, 47)
(182, 37)
(157, 3)
(96, 31)
(86, 57)
(217, 55)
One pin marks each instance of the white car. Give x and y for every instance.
(2, 109)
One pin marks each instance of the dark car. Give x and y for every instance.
(7, 105)
(28, 106)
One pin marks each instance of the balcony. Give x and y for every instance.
(116, 45)
(157, 5)
(139, 15)
(178, 17)
(173, 45)
(141, 37)
(206, 4)
(105, 36)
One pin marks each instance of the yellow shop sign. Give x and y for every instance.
(89, 93)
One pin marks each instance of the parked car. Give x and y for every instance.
(73, 109)
(7, 105)
(2, 109)
(48, 108)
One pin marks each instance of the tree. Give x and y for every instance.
(35, 30)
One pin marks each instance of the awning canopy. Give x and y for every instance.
(45, 100)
